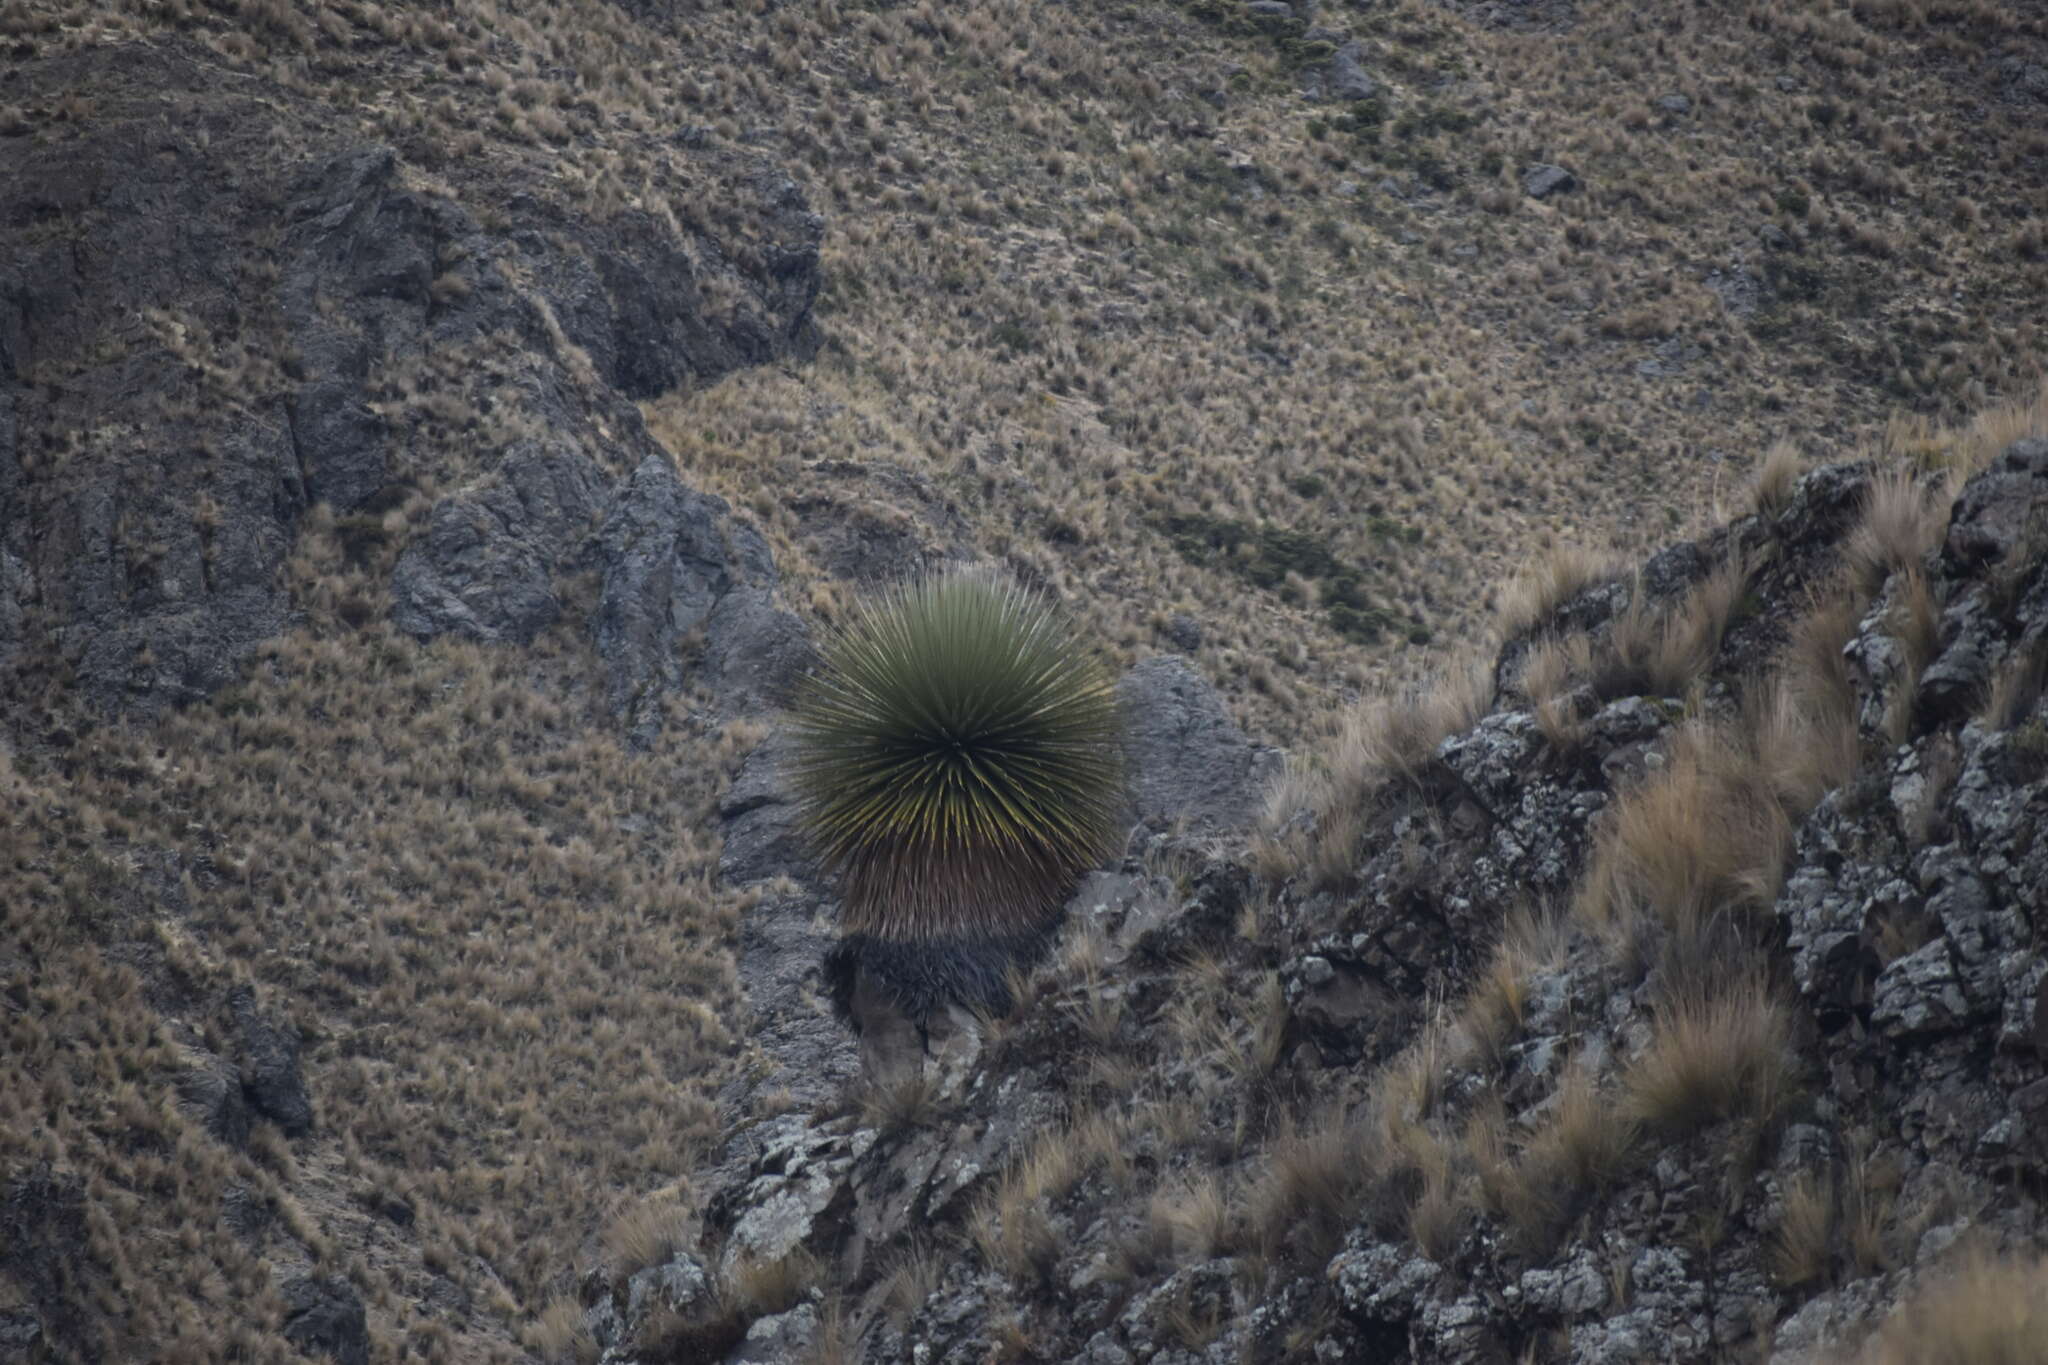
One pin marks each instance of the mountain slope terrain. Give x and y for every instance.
(431, 435)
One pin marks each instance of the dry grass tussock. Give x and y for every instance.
(1583, 1143)
(1318, 1181)
(1958, 450)
(1715, 1056)
(1659, 651)
(1805, 723)
(1490, 1019)
(1833, 1222)
(1318, 811)
(1561, 574)
(1984, 1311)
(1902, 520)
(1191, 1216)
(1776, 473)
(1013, 1227)
(1690, 855)
(1649, 649)
(2018, 688)
(492, 924)
(651, 1232)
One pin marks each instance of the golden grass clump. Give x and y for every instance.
(1776, 474)
(1804, 720)
(1984, 1311)
(1694, 851)
(1191, 1216)
(2017, 689)
(1803, 1246)
(1012, 1226)
(1901, 522)
(1316, 1183)
(1318, 810)
(1561, 574)
(1490, 1020)
(1651, 650)
(1583, 1144)
(1715, 1056)
(649, 1233)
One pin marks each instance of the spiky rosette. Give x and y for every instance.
(957, 761)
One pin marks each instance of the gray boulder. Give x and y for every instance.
(1347, 78)
(754, 652)
(1542, 180)
(486, 566)
(760, 820)
(324, 1315)
(668, 555)
(1187, 759)
(270, 1065)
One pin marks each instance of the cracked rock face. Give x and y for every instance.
(1911, 915)
(1187, 759)
(215, 350)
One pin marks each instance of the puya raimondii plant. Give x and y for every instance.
(957, 760)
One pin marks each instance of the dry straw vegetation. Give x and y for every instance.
(1980, 1312)
(1164, 337)
(495, 926)
(1677, 894)
(1161, 329)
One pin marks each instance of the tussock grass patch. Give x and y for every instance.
(906, 1102)
(649, 1233)
(1659, 651)
(1319, 808)
(1012, 1226)
(1716, 1056)
(1561, 574)
(911, 1278)
(1690, 856)
(2017, 689)
(1804, 722)
(1983, 1311)
(1319, 1180)
(1900, 523)
(1776, 473)
(1803, 1246)
(1582, 1145)
(1191, 1216)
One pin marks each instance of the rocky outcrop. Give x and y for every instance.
(217, 312)
(486, 567)
(262, 369)
(270, 1066)
(324, 1316)
(1908, 927)
(1188, 766)
(669, 558)
(1187, 759)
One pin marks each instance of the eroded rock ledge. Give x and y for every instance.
(1046, 1201)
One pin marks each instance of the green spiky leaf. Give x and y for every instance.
(957, 760)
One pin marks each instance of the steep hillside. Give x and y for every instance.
(429, 435)
(1669, 988)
